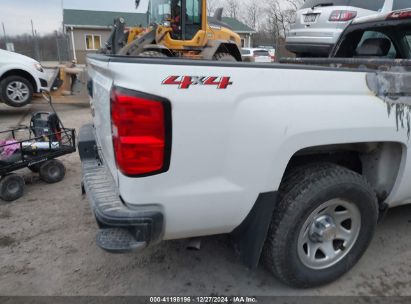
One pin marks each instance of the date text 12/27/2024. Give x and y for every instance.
(209, 299)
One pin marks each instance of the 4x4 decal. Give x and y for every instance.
(185, 82)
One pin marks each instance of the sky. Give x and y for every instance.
(47, 14)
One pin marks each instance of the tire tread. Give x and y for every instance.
(296, 184)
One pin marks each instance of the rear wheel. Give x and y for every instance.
(224, 57)
(52, 171)
(16, 91)
(11, 187)
(323, 224)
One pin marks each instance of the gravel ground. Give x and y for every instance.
(47, 247)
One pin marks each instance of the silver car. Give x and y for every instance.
(319, 23)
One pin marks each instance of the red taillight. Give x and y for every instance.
(140, 132)
(399, 15)
(342, 16)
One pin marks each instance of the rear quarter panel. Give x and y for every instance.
(231, 145)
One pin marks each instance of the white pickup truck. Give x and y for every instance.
(297, 162)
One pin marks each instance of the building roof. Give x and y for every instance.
(100, 19)
(238, 26)
(103, 19)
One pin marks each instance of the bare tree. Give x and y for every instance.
(294, 4)
(280, 16)
(212, 6)
(48, 46)
(232, 8)
(253, 14)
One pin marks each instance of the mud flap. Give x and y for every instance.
(250, 236)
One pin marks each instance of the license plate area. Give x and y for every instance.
(310, 18)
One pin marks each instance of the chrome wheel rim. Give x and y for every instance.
(329, 234)
(18, 91)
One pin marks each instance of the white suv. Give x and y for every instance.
(20, 77)
(256, 55)
(319, 23)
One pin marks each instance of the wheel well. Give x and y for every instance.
(231, 49)
(23, 74)
(378, 162)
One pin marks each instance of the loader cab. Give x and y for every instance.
(184, 18)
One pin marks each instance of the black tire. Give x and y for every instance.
(12, 82)
(52, 171)
(153, 54)
(11, 187)
(35, 168)
(303, 191)
(224, 57)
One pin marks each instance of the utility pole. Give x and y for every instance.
(34, 39)
(58, 46)
(36, 45)
(62, 15)
(5, 35)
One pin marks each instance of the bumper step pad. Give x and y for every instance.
(118, 240)
(123, 228)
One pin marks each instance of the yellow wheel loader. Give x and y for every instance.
(177, 28)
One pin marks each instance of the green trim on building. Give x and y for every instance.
(83, 18)
(238, 26)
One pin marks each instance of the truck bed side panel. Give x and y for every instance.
(230, 145)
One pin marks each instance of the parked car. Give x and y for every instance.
(20, 77)
(270, 50)
(376, 38)
(255, 55)
(319, 23)
(296, 162)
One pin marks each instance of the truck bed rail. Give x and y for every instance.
(371, 63)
